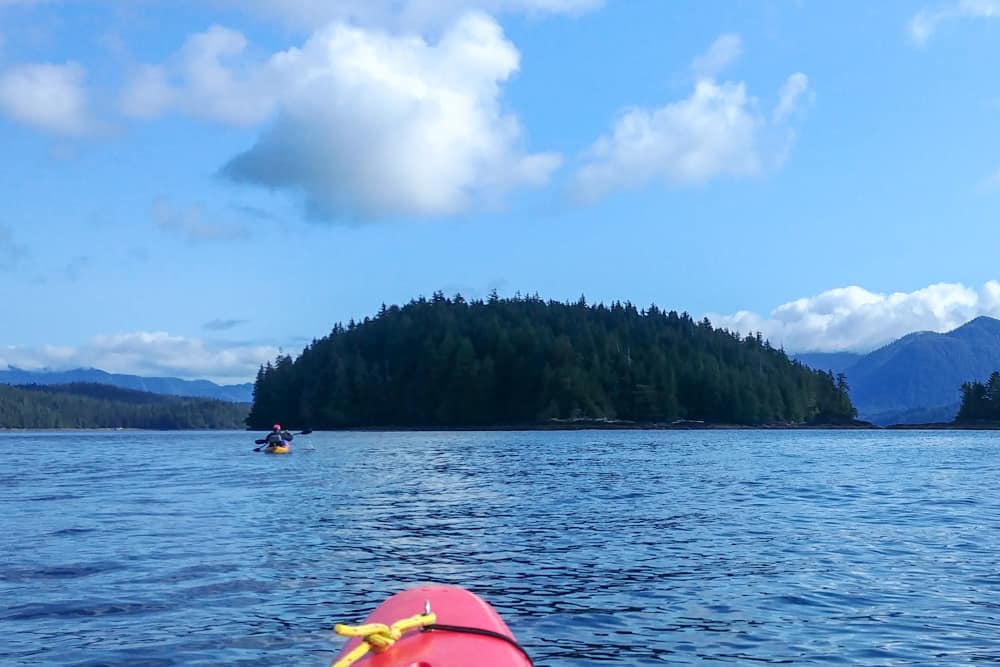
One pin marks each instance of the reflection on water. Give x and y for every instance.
(627, 548)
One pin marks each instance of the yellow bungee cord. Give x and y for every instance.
(378, 636)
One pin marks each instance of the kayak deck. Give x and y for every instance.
(440, 646)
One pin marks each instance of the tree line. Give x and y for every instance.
(89, 405)
(980, 400)
(448, 362)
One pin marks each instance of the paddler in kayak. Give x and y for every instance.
(278, 437)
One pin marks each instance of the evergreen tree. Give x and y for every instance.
(980, 402)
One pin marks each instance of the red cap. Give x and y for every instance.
(277, 427)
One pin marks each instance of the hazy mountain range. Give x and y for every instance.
(237, 393)
(918, 378)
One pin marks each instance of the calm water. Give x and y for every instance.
(625, 548)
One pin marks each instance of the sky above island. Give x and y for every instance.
(191, 188)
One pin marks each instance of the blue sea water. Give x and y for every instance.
(597, 547)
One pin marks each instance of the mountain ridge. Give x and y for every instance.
(167, 386)
(919, 375)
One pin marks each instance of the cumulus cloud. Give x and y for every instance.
(718, 130)
(857, 320)
(373, 125)
(925, 22)
(190, 223)
(47, 97)
(406, 14)
(147, 353)
(210, 77)
(365, 124)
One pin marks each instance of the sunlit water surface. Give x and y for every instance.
(624, 548)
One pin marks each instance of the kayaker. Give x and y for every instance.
(278, 436)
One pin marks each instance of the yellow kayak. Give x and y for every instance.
(278, 449)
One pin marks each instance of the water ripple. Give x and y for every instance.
(598, 548)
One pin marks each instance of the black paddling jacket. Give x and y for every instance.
(276, 438)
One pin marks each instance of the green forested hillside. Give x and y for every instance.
(86, 405)
(452, 363)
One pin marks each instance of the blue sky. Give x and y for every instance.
(189, 187)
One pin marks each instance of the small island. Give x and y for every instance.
(449, 363)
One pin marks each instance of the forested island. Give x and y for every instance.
(89, 405)
(452, 363)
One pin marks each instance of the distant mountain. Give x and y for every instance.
(236, 393)
(937, 415)
(918, 378)
(835, 362)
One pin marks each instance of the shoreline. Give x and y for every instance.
(577, 425)
(601, 426)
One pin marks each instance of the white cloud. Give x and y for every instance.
(147, 353)
(48, 97)
(791, 94)
(364, 123)
(724, 51)
(373, 125)
(406, 14)
(925, 22)
(854, 319)
(718, 130)
(190, 223)
(149, 93)
(211, 78)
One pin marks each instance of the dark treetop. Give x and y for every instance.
(980, 401)
(87, 405)
(446, 363)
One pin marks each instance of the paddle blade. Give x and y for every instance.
(306, 432)
(259, 442)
